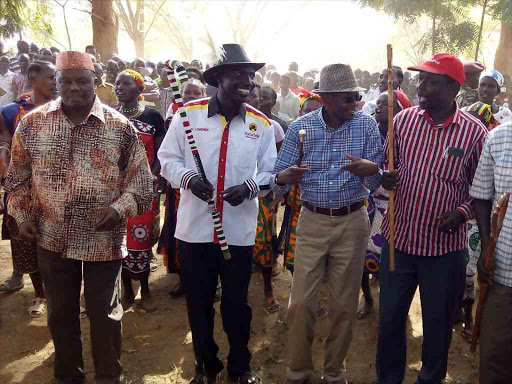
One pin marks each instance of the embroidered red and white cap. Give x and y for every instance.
(443, 64)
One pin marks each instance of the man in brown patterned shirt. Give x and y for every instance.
(78, 171)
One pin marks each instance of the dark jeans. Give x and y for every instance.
(496, 337)
(441, 281)
(201, 264)
(62, 280)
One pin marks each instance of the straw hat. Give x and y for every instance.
(335, 78)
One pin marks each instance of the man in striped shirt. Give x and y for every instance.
(437, 147)
(494, 177)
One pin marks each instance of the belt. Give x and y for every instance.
(334, 211)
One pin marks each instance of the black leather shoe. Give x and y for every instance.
(176, 292)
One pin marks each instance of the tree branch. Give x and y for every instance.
(155, 15)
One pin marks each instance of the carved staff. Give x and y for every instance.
(175, 67)
(302, 134)
(498, 215)
(391, 166)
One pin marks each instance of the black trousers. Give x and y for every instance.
(62, 279)
(201, 265)
(496, 337)
(441, 280)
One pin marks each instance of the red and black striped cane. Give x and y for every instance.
(175, 67)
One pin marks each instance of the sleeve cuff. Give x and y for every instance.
(466, 211)
(253, 189)
(185, 180)
(20, 216)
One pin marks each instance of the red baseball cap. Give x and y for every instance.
(443, 64)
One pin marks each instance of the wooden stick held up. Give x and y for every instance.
(391, 166)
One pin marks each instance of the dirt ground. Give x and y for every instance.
(157, 347)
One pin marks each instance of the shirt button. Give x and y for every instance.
(330, 182)
(221, 176)
(221, 159)
(225, 143)
(332, 166)
(334, 150)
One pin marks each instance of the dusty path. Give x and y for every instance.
(157, 347)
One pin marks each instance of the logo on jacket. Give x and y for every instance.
(253, 127)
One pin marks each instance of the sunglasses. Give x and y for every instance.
(353, 97)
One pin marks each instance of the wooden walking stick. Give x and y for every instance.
(498, 215)
(302, 134)
(173, 68)
(391, 166)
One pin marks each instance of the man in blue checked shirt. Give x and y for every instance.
(342, 158)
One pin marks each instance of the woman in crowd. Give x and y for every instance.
(488, 89)
(142, 231)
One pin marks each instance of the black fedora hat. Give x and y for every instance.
(234, 54)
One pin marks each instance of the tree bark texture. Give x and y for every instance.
(105, 28)
(502, 61)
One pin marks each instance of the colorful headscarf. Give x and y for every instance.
(484, 111)
(496, 76)
(305, 95)
(139, 79)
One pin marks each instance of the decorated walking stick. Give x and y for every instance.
(302, 134)
(391, 166)
(498, 215)
(173, 68)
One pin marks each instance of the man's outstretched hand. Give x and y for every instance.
(360, 167)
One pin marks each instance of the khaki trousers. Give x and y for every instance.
(340, 241)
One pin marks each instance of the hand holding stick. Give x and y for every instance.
(391, 208)
(498, 215)
(302, 134)
(175, 67)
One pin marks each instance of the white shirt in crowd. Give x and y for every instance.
(6, 85)
(493, 177)
(289, 104)
(250, 157)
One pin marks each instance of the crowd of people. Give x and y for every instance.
(88, 146)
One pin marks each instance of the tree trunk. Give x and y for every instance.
(434, 37)
(502, 60)
(484, 7)
(105, 27)
(141, 27)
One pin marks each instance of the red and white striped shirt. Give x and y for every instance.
(436, 165)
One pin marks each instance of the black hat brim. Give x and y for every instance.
(209, 77)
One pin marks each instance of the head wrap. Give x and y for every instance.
(74, 60)
(402, 100)
(305, 95)
(496, 76)
(139, 79)
(484, 111)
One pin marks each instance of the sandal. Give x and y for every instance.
(38, 307)
(271, 305)
(9, 286)
(248, 378)
(321, 313)
(153, 265)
